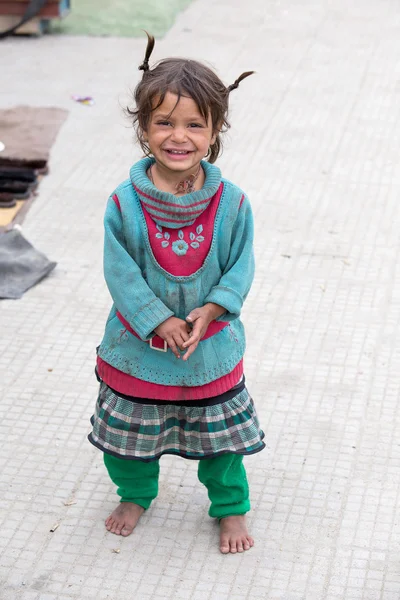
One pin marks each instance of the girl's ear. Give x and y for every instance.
(141, 128)
(216, 133)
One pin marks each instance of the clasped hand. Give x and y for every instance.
(183, 335)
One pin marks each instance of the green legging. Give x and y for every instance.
(224, 477)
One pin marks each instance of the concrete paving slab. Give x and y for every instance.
(315, 141)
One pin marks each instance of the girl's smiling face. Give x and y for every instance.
(178, 135)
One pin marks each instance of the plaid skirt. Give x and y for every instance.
(133, 430)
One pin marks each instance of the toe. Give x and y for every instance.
(233, 547)
(115, 527)
(109, 523)
(224, 546)
(126, 531)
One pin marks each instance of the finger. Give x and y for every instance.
(193, 315)
(179, 340)
(197, 330)
(190, 351)
(186, 334)
(171, 343)
(194, 336)
(192, 340)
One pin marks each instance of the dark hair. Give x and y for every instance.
(183, 77)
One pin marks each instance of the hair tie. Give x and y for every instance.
(235, 84)
(144, 66)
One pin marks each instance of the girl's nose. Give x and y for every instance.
(178, 134)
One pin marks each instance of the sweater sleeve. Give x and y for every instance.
(132, 297)
(237, 277)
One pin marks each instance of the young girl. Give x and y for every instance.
(178, 262)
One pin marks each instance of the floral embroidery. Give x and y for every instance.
(180, 246)
(163, 236)
(196, 240)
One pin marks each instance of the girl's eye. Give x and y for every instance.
(163, 123)
(195, 125)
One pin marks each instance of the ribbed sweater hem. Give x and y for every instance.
(132, 386)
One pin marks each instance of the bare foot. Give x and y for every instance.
(124, 518)
(234, 536)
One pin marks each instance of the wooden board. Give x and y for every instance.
(10, 216)
(11, 12)
(34, 26)
(24, 1)
(19, 8)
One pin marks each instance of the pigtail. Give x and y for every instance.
(150, 47)
(235, 85)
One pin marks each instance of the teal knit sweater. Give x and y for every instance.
(146, 295)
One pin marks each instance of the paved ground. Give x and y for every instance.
(316, 143)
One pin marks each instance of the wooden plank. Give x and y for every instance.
(10, 216)
(32, 27)
(24, 1)
(19, 8)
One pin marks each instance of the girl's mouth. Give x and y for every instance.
(177, 154)
(171, 151)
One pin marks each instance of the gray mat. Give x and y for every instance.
(21, 265)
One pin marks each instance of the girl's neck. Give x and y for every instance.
(177, 183)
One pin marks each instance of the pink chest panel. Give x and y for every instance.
(182, 252)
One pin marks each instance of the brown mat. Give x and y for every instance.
(28, 132)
